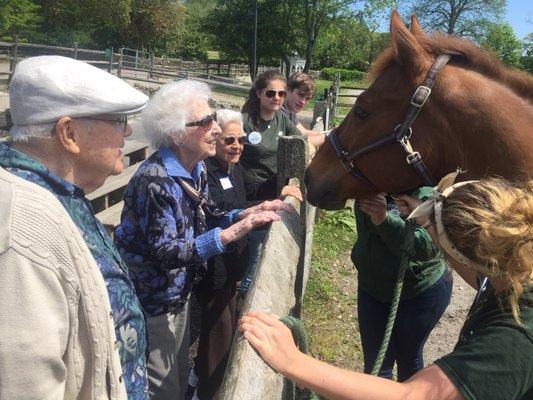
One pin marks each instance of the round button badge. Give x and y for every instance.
(254, 137)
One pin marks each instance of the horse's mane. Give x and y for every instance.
(469, 56)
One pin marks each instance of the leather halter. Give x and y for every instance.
(401, 134)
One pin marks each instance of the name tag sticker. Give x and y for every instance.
(226, 183)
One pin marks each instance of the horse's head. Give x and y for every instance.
(376, 113)
(478, 118)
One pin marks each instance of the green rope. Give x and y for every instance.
(299, 333)
(406, 253)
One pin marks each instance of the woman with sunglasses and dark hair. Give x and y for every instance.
(170, 227)
(264, 125)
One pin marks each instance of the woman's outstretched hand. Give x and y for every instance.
(291, 190)
(246, 225)
(274, 205)
(271, 338)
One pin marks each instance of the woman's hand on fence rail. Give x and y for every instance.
(246, 225)
(291, 190)
(274, 205)
(271, 338)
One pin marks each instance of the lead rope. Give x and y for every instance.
(299, 334)
(406, 250)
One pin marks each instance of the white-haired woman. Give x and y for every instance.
(170, 228)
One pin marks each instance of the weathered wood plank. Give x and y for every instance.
(110, 217)
(135, 150)
(248, 376)
(114, 182)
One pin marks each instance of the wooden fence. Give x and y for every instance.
(135, 64)
(279, 284)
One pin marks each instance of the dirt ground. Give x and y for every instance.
(444, 337)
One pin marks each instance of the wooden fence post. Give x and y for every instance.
(110, 66)
(119, 68)
(15, 48)
(75, 45)
(151, 73)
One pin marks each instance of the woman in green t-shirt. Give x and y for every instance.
(264, 125)
(485, 229)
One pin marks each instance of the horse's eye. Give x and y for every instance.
(361, 113)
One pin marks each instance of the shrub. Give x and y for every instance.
(346, 74)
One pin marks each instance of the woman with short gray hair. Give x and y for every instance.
(170, 227)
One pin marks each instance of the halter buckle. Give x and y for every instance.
(413, 157)
(420, 96)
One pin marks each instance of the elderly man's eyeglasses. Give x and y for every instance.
(229, 140)
(121, 119)
(272, 93)
(206, 122)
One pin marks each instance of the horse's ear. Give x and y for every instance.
(407, 50)
(416, 29)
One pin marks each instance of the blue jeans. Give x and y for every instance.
(415, 320)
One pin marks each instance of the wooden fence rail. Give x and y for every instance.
(279, 284)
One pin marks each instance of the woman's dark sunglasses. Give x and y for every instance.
(206, 122)
(229, 140)
(272, 93)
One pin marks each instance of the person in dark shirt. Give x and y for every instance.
(217, 292)
(264, 124)
(484, 228)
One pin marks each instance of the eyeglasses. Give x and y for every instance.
(229, 140)
(272, 93)
(122, 119)
(206, 122)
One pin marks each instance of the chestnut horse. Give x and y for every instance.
(479, 117)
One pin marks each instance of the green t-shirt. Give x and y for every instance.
(377, 256)
(259, 157)
(493, 358)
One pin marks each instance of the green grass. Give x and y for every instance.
(329, 306)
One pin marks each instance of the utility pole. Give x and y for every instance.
(254, 72)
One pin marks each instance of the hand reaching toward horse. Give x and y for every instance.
(291, 190)
(374, 206)
(271, 338)
(406, 204)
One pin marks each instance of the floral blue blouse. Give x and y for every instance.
(158, 234)
(130, 325)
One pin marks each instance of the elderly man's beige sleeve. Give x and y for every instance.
(56, 333)
(34, 329)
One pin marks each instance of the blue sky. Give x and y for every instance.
(518, 13)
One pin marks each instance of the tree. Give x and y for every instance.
(318, 13)
(526, 61)
(231, 25)
(458, 17)
(501, 39)
(87, 22)
(18, 17)
(152, 22)
(343, 44)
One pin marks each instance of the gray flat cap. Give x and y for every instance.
(47, 88)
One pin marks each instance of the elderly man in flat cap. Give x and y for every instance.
(71, 325)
